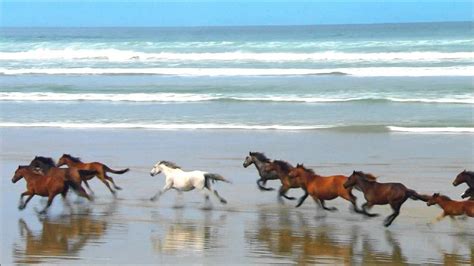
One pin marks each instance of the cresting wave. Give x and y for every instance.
(361, 72)
(116, 55)
(201, 126)
(194, 97)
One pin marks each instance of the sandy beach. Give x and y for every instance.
(253, 227)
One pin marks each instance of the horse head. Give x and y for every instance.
(433, 199)
(19, 173)
(156, 169)
(248, 160)
(460, 178)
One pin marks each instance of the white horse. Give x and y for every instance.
(180, 180)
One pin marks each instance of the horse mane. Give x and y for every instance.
(285, 166)
(72, 158)
(444, 197)
(260, 156)
(367, 176)
(45, 160)
(170, 164)
(469, 173)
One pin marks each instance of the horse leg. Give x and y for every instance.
(50, 201)
(396, 211)
(326, 208)
(112, 180)
(367, 206)
(23, 205)
(160, 192)
(88, 187)
(221, 199)
(66, 202)
(282, 192)
(81, 191)
(261, 186)
(438, 218)
(350, 197)
(104, 180)
(302, 199)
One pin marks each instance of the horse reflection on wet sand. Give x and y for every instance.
(60, 238)
(188, 235)
(299, 241)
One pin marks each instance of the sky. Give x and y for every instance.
(148, 13)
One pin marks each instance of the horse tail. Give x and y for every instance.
(415, 196)
(107, 169)
(214, 177)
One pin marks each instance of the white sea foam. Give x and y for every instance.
(200, 126)
(432, 129)
(361, 72)
(160, 126)
(196, 97)
(117, 55)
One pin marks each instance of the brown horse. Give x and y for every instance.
(468, 178)
(282, 169)
(36, 184)
(377, 193)
(451, 207)
(322, 188)
(101, 169)
(46, 166)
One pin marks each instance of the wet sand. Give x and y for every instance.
(253, 227)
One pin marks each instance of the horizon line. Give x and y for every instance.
(241, 26)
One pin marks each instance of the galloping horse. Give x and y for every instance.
(100, 168)
(46, 166)
(377, 193)
(282, 169)
(36, 184)
(262, 163)
(468, 178)
(180, 180)
(450, 207)
(322, 188)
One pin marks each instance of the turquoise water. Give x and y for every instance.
(390, 77)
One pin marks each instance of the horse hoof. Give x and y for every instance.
(21, 207)
(153, 199)
(224, 201)
(118, 188)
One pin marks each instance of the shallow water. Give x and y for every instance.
(253, 227)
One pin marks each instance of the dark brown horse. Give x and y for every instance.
(100, 168)
(36, 184)
(451, 207)
(46, 166)
(377, 193)
(322, 188)
(262, 163)
(468, 178)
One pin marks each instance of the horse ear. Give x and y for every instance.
(353, 172)
(464, 170)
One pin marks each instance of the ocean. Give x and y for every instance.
(350, 78)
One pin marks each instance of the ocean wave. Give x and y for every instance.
(196, 97)
(161, 126)
(362, 72)
(116, 55)
(224, 126)
(432, 129)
